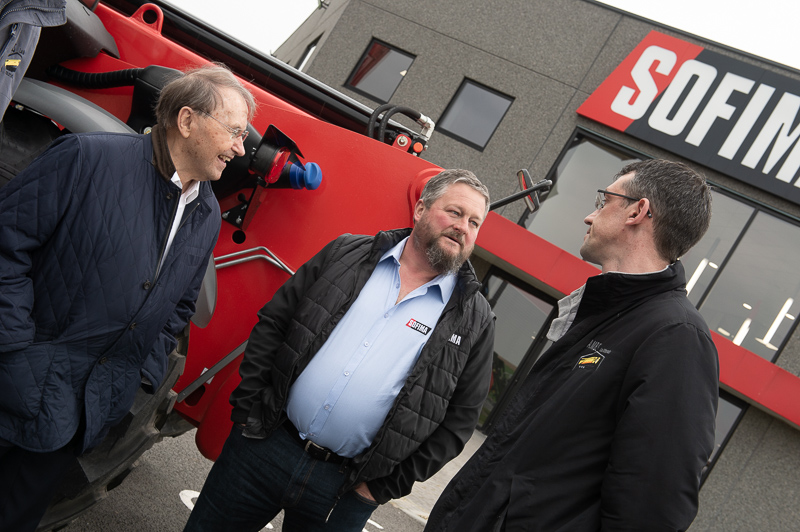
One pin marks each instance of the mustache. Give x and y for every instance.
(459, 237)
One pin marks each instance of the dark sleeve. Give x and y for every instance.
(448, 440)
(664, 434)
(31, 207)
(269, 333)
(155, 366)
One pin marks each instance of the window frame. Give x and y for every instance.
(531, 355)
(307, 53)
(364, 93)
(441, 129)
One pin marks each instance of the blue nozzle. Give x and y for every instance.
(309, 177)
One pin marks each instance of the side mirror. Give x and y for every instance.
(529, 192)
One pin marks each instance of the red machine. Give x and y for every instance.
(313, 175)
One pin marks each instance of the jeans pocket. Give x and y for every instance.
(364, 500)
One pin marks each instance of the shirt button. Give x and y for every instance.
(169, 195)
(386, 315)
(147, 284)
(346, 373)
(327, 407)
(397, 285)
(132, 326)
(366, 344)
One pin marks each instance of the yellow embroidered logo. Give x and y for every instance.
(590, 361)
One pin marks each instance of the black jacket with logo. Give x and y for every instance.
(612, 427)
(435, 412)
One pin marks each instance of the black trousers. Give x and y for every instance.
(28, 481)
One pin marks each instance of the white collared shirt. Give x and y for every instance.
(187, 196)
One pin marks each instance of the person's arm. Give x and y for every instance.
(269, 333)
(448, 440)
(31, 207)
(155, 366)
(664, 433)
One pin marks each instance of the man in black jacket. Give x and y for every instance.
(365, 373)
(614, 424)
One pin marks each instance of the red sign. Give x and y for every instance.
(734, 117)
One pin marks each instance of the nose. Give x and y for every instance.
(590, 217)
(461, 225)
(238, 146)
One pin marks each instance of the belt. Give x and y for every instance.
(317, 452)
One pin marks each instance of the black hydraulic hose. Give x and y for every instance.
(411, 113)
(102, 80)
(373, 118)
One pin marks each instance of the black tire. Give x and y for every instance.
(23, 136)
(94, 474)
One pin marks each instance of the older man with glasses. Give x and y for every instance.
(613, 426)
(104, 241)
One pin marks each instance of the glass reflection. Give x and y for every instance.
(586, 166)
(521, 317)
(703, 260)
(728, 413)
(380, 71)
(474, 113)
(755, 300)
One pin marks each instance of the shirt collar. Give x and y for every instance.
(445, 283)
(190, 194)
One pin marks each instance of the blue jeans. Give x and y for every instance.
(253, 480)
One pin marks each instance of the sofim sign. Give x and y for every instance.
(728, 115)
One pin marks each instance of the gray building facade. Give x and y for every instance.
(522, 70)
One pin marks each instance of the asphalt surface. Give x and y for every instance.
(158, 494)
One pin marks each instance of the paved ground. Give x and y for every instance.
(159, 492)
(420, 501)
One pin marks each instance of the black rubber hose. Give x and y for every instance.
(102, 80)
(411, 113)
(373, 118)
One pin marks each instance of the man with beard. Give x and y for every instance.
(612, 427)
(365, 373)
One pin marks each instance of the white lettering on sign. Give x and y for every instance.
(746, 121)
(777, 129)
(645, 84)
(729, 115)
(704, 76)
(718, 106)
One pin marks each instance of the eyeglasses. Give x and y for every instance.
(600, 199)
(235, 132)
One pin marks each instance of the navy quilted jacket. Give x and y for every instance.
(84, 311)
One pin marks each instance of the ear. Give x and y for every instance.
(186, 120)
(419, 208)
(641, 213)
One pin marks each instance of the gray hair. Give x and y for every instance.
(437, 185)
(199, 89)
(680, 201)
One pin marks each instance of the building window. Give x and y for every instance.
(380, 71)
(742, 275)
(523, 319)
(301, 64)
(584, 167)
(754, 298)
(474, 113)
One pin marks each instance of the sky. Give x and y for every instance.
(263, 24)
(766, 28)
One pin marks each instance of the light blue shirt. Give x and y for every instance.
(342, 397)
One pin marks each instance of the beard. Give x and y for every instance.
(442, 259)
